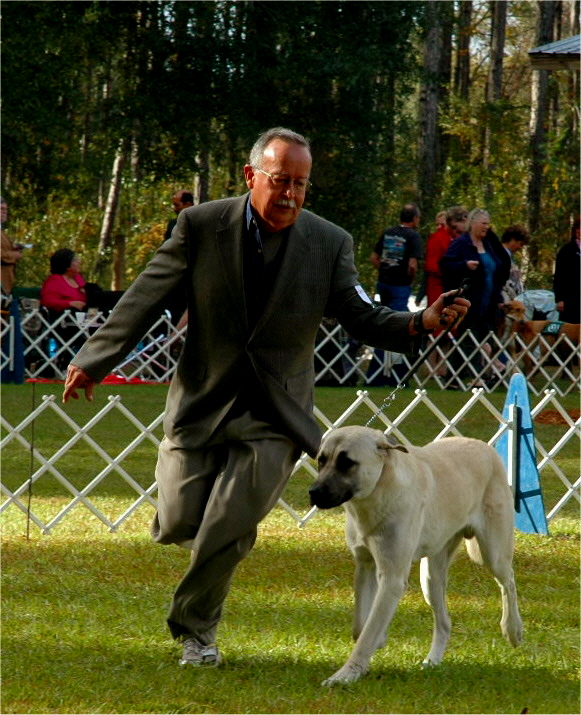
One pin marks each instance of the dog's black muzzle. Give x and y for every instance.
(325, 496)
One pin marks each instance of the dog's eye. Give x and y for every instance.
(322, 460)
(343, 462)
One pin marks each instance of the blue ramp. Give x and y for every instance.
(529, 507)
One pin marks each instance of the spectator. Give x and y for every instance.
(13, 348)
(261, 272)
(513, 240)
(475, 255)
(177, 301)
(10, 253)
(437, 245)
(454, 225)
(181, 200)
(396, 257)
(64, 289)
(566, 284)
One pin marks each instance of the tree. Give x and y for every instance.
(538, 120)
(436, 80)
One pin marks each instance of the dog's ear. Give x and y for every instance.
(385, 442)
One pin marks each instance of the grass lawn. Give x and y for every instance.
(83, 610)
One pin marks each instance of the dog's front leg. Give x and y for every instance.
(364, 587)
(390, 589)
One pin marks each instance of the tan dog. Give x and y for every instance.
(530, 333)
(404, 504)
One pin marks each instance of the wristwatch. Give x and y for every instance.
(419, 324)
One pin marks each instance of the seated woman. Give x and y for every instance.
(64, 289)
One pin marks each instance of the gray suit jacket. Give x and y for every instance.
(317, 277)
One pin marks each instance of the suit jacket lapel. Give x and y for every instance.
(229, 249)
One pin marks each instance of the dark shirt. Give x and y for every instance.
(395, 247)
(263, 254)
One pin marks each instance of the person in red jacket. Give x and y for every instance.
(437, 246)
(64, 289)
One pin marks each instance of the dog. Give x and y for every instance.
(404, 504)
(545, 334)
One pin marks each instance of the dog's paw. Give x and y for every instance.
(345, 675)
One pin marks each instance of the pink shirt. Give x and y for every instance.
(57, 294)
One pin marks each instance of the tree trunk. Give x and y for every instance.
(436, 76)
(493, 84)
(105, 237)
(497, 37)
(462, 70)
(118, 262)
(538, 120)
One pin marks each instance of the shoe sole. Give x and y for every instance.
(201, 664)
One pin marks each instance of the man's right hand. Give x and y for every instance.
(77, 379)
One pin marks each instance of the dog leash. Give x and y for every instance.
(448, 300)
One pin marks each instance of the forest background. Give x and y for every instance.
(109, 107)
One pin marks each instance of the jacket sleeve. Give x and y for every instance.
(375, 325)
(137, 310)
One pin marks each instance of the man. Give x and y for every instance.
(176, 302)
(513, 240)
(261, 273)
(181, 200)
(396, 257)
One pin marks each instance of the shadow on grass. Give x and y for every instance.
(96, 675)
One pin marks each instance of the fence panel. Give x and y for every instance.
(339, 360)
(60, 468)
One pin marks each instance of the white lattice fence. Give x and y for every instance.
(339, 360)
(133, 464)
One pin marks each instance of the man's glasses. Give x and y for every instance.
(280, 181)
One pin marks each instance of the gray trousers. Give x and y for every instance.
(211, 500)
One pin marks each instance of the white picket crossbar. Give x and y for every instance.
(339, 360)
(57, 463)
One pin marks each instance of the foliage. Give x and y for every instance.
(191, 84)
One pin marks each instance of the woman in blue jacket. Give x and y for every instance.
(476, 255)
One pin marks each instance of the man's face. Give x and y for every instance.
(3, 212)
(279, 207)
(178, 204)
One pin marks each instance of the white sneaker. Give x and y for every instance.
(204, 656)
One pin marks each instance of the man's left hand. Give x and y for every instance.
(439, 315)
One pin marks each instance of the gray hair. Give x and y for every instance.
(285, 135)
(475, 214)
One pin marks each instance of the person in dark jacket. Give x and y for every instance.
(476, 256)
(566, 281)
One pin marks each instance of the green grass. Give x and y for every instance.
(84, 631)
(83, 610)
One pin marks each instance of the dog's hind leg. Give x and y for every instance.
(495, 546)
(433, 579)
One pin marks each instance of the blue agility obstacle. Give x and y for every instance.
(516, 447)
